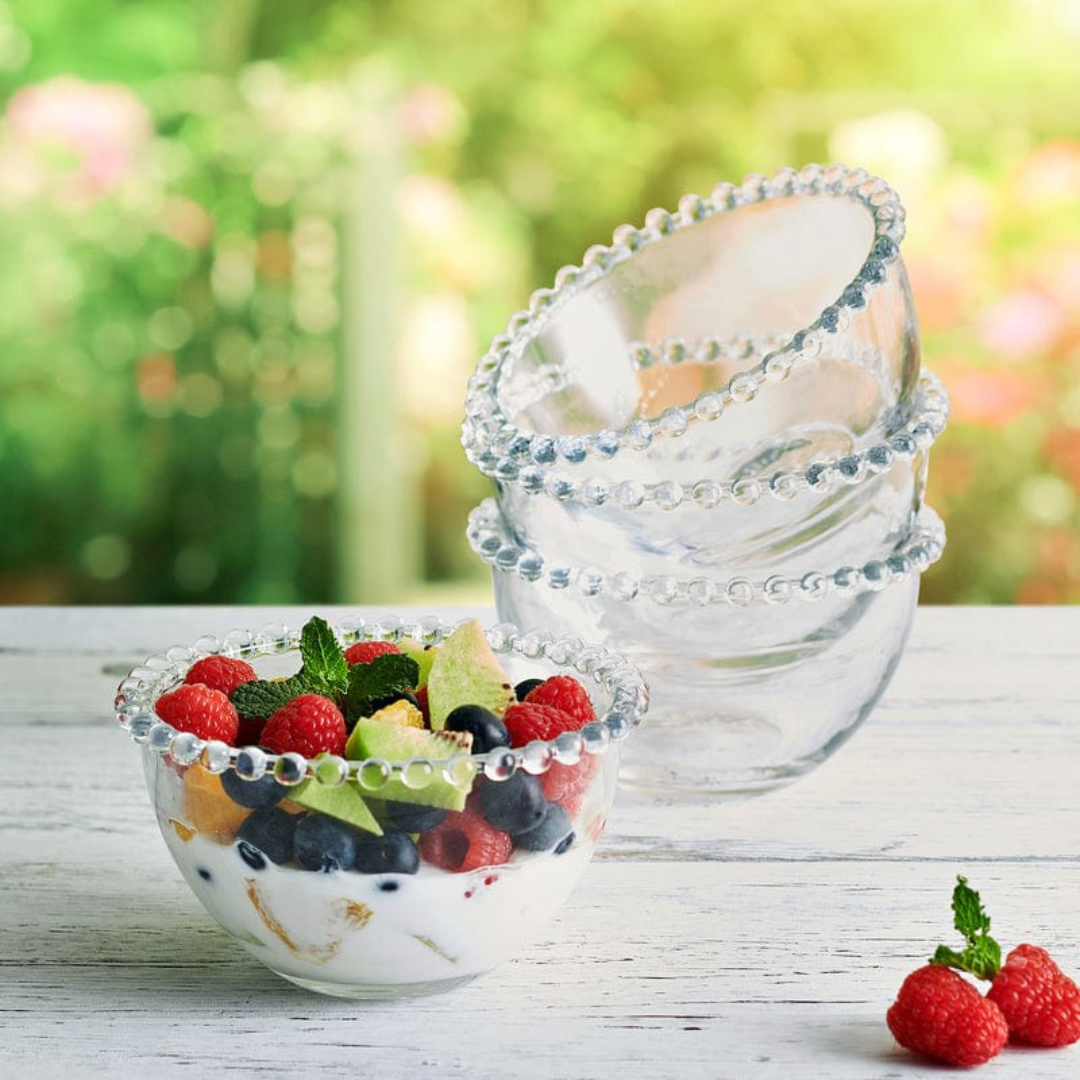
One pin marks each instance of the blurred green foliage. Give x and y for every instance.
(193, 195)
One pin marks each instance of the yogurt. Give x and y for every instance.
(347, 930)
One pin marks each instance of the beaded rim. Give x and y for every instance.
(487, 433)
(929, 419)
(136, 694)
(919, 550)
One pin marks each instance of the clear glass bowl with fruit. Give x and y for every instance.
(382, 809)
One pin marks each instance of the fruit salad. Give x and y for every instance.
(372, 828)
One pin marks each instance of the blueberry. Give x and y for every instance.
(515, 805)
(555, 831)
(525, 687)
(392, 853)
(268, 831)
(252, 856)
(324, 843)
(487, 730)
(411, 817)
(252, 793)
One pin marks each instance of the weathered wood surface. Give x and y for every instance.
(756, 939)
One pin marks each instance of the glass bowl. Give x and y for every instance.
(832, 511)
(709, 335)
(753, 681)
(365, 932)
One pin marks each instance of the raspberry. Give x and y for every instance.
(566, 784)
(527, 720)
(566, 694)
(201, 710)
(309, 724)
(222, 673)
(939, 1014)
(363, 652)
(463, 842)
(1039, 1002)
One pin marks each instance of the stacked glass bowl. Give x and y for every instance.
(709, 443)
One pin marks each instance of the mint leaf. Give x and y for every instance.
(982, 957)
(324, 665)
(265, 696)
(371, 684)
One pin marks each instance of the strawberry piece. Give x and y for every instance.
(363, 652)
(224, 673)
(941, 1015)
(565, 693)
(1040, 1003)
(310, 724)
(200, 709)
(528, 720)
(464, 841)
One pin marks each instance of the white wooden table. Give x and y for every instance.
(744, 940)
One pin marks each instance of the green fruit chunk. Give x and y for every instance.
(424, 655)
(466, 672)
(373, 738)
(396, 714)
(344, 802)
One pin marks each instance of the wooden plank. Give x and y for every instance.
(721, 939)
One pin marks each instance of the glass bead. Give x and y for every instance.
(290, 769)
(251, 763)
(709, 406)
(668, 495)
(707, 494)
(739, 592)
(186, 748)
(500, 765)
(374, 774)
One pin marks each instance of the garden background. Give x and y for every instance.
(252, 250)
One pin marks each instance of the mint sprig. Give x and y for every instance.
(264, 697)
(323, 662)
(370, 685)
(982, 955)
(324, 670)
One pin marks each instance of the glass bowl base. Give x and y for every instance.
(380, 991)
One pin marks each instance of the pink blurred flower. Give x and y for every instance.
(1049, 174)
(986, 397)
(101, 125)
(1022, 324)
(430, 113)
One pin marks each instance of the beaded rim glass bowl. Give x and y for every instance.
(370, 935)
(500, 448)
(160, 673)
(492, 542)
(926, 420)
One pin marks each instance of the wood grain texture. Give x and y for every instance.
(755, 939)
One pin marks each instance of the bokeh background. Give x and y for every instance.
(250, 251)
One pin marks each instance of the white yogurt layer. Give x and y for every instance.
(355, 929)
(347, 927)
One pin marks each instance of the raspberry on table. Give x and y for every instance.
(565, 693)
(463, 842)
(529, 720)
(363, 652)
(939, 1014)
(1040, 1003)
(224, 673)
(310, 724)
(201, 710)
